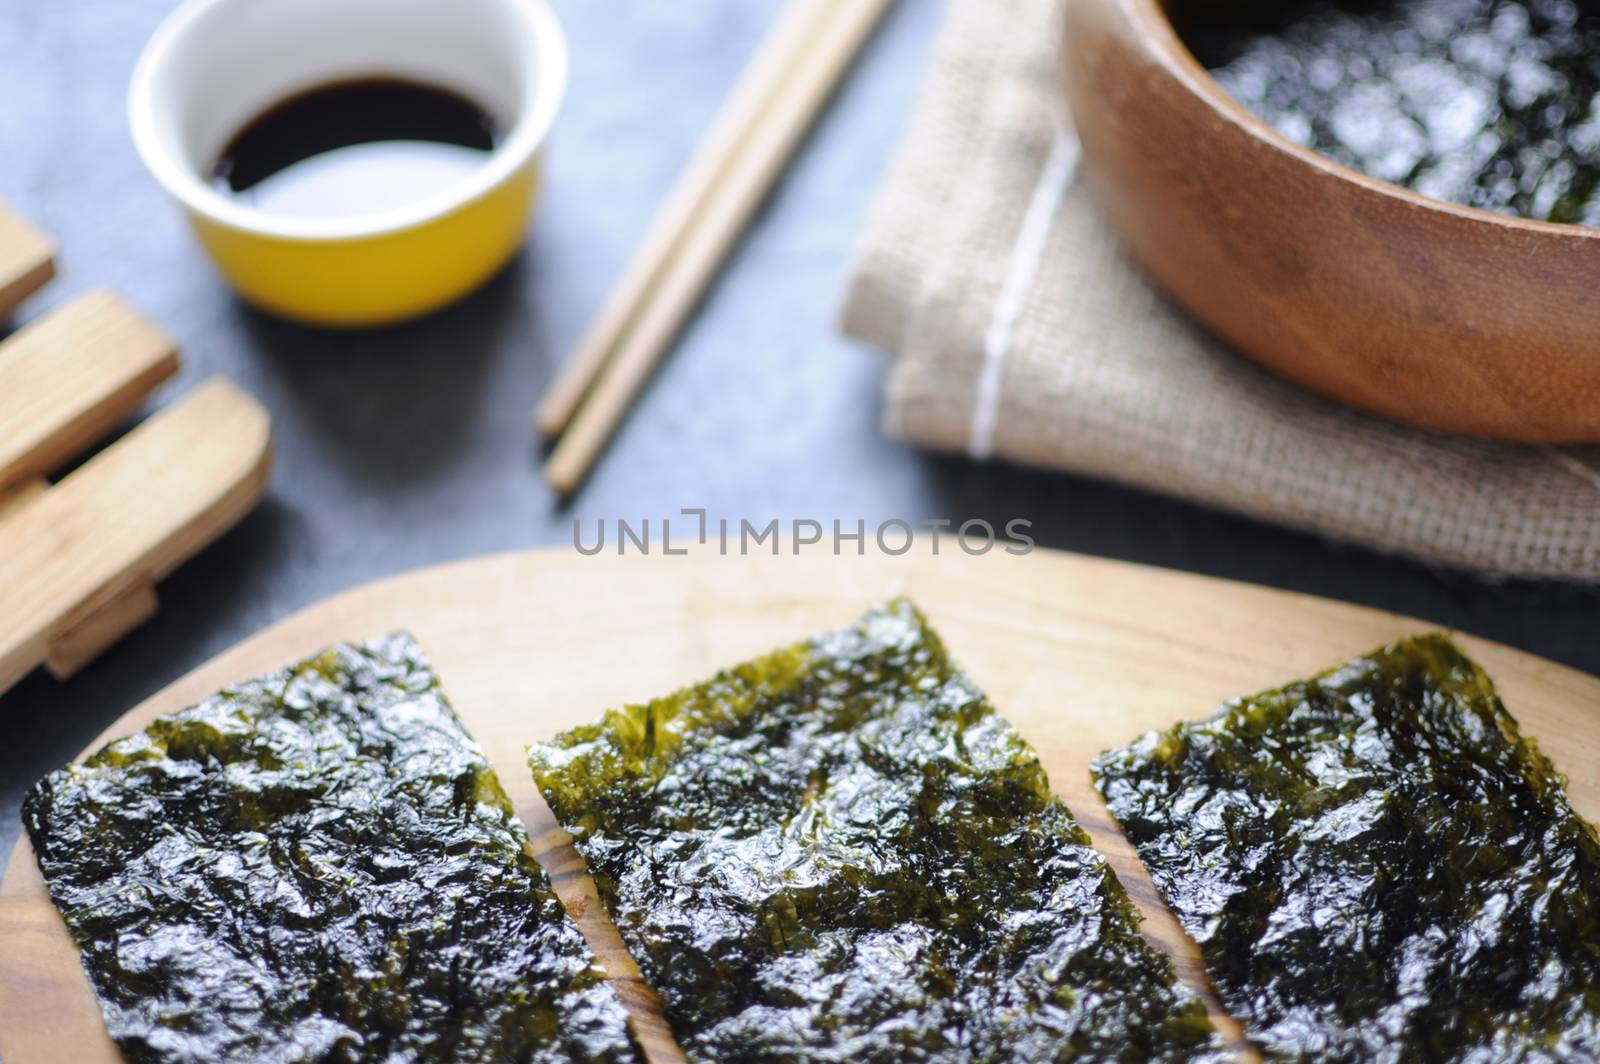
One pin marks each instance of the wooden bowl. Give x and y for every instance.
(1446, 317)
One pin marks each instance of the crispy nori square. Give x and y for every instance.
(1376, 865)
(841, 852)
(317, 865)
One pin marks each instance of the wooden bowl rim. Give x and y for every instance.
(1152, 24)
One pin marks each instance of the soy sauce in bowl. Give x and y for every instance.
(355, 147)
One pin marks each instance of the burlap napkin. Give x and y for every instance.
(1023, 332)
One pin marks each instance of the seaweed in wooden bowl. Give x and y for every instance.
(1484, 103)
(1242, 193)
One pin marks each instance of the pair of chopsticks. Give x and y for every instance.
(777, 99)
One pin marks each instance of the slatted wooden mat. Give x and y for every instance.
(80, 557)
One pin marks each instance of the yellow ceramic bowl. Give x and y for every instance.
(216, 64)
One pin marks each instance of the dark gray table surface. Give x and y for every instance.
(412, 445)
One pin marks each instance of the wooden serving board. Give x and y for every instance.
(1081, 654)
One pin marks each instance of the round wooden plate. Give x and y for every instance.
(1081, 654)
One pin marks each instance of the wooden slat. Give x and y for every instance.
(67, 379)
(123, 521)
(17, 495)
(76, 647)
(27, 261)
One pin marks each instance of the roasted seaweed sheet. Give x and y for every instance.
(1376, 865)
(841, 852)
(317, 865)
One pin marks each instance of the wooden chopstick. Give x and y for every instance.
(738, 187)
(785, 42)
